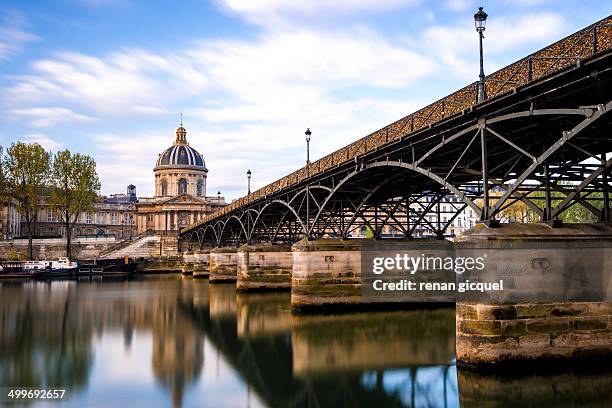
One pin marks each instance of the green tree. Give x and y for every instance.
(26, 168)
(74, 189)
(575, 213)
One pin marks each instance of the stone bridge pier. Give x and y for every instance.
(223, 265)
(557, 302)
(264, 267)
(327, 273)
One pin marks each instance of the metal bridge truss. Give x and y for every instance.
(406, 189)
(546, 145)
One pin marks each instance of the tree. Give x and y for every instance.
(26, 167)
(74, 189)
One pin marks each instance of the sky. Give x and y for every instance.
(109, 78)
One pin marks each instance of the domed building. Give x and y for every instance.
(180, 189)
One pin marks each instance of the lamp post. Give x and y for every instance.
(249, 181)
(480, 21)
(308, 133)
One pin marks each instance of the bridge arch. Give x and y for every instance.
(284, 204)
(401, 165)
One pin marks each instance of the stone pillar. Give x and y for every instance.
(264, 267)
(327, 272)
(223, 265)
(557, 306)
(201, 267)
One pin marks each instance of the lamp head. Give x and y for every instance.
(480, 20)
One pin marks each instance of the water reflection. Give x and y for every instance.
(171, 341)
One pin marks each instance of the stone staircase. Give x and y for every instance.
(145, 246)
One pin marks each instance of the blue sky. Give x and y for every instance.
(109, 77)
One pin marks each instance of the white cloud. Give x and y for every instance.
(43, 140)
(124, 82)
(267, 11)
(49, 116)
(12, 35)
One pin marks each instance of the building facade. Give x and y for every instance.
(180, 190)
(112, 216)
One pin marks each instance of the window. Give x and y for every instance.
(199, 188)
(182, 186)
(50, 215)
(88, 218)
(164, 187)
(114, 218)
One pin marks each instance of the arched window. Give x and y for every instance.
(182, 186)
(199, 188)
(164, 187)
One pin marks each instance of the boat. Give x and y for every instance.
(64, 268)
(118, 266)
(45, 269)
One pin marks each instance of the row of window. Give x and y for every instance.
(88, 218)
(182, 187)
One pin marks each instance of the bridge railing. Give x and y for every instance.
(564, 53)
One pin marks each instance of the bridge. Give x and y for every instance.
(541, 132)
(540, 140)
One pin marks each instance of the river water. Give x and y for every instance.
(168, 340)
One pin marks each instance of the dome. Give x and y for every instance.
(180, 154)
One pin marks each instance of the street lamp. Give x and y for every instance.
(480, 21)
(249, 181)
(308, 133)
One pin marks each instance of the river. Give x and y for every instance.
(168, 340)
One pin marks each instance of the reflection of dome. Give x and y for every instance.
(180, 154)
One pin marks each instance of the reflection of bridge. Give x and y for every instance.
(267, 361)
(543, 133)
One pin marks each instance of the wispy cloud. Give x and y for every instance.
(123, 82)
(268, 11)
(13, 35)
(49, 116)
